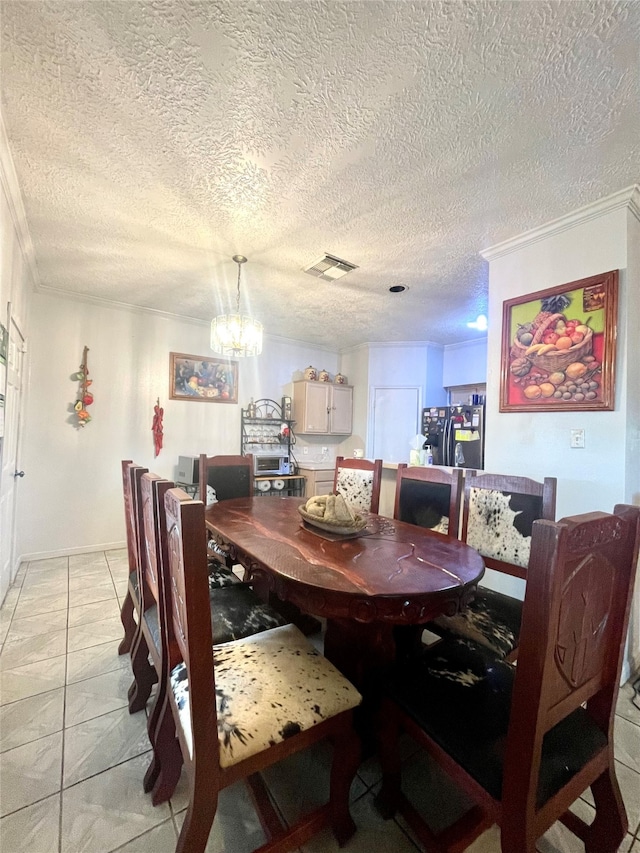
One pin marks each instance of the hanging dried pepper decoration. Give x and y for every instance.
(85, 397)
(156, 426)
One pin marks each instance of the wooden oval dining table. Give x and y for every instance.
(390, 573)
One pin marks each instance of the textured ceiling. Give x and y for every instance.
(153, 140)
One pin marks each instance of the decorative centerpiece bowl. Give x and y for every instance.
(359, 523)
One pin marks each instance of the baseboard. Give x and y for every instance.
(70, 552)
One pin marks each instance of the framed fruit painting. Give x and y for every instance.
(199, 378)
(559, 347)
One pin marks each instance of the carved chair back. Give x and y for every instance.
(229, 476)
(429, 497)
(188, 623)
(498, 514)
(152, 489)
(575, 619)
(358, 481)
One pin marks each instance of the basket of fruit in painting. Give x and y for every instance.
(552, 356)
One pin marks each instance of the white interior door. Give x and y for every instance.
(10, 447)
(395, 419)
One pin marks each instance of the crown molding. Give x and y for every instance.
(470, 343)
(11, 187)
(626, 198)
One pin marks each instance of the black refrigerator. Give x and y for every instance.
(455, 434)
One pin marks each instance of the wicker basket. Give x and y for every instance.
(561, 359)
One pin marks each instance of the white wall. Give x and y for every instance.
(72, 496)
(537, 444)
(607, 470)
(464, 363)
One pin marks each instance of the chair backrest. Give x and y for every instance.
(574, 625)
(498, 515)
(152, 490)
(131, 475)
(358, 481)
(429, 497)
(187, 626)
(229, 476)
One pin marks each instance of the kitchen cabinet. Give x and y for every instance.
(320, 408)
(319, 481)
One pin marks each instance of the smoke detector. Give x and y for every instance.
(329, 268)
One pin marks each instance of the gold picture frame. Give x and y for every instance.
(201, 379)
(559, 347)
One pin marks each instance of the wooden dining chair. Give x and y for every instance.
(498, 514)
(239, 708)
(429, 497)
(525, 741)
(236, 610)
(358, 481)
(223, 478)
(131, 604)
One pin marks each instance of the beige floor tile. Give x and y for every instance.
(160, 839)
(10, 600)
(103, 579)
(629, 782)
(34, 829)
(626, 737)
(93, 577)
(116, 555)
(33, 649)
(44, 584)
(236, 826)
(34, 625)
(90, 613)
(84, 636)
(625, 707)
(373, 834)
(31, 679)
(30, 719)
(91, 595)
(300, 783)
(41, 604)
(5, 624)
(109, 810)
(88, 561)
(96, 696)
(635, 847)
(29, 773)
(102, 742)
(96, 660)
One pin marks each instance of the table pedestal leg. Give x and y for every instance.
(359, 649)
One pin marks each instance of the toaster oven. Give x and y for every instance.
(264, 464)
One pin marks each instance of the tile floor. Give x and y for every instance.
(72, 757)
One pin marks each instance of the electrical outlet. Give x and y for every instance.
(576, 438)
(305, 451)
(325, 450)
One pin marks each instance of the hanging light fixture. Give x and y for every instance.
(236, 334)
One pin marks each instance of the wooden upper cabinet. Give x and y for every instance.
(320, 408)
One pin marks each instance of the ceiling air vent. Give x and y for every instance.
(329, 268)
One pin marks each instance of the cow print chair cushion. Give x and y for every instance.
(268, 687)
(356, 487)
(499, 526)
(236, 612)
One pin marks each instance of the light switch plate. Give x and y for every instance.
(577, 438)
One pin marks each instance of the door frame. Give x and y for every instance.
(9, 536)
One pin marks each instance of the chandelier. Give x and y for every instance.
(236, 334)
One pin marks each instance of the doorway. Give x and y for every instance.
(395, 417)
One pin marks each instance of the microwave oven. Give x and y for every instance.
(267, 464)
